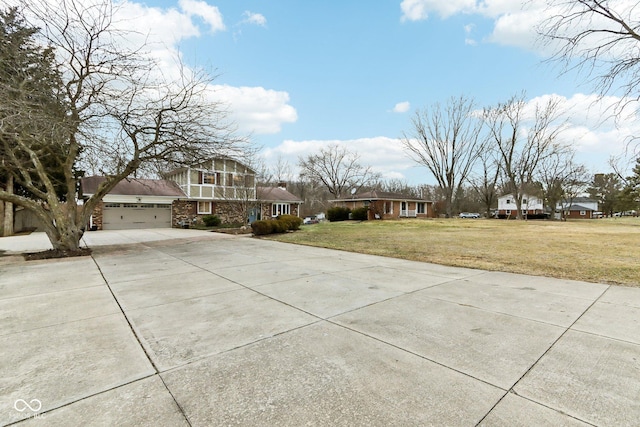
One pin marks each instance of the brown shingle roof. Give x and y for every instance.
(134, 187)
(276, 194)
(380, 195)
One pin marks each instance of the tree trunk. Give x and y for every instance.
(1, 218)
(8, 210)
(69, 227)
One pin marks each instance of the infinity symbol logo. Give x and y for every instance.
(21, 405)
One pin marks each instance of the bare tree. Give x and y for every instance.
(562, 178)
(601, 38)
(400, 186)
(523, 140)
(338, 169)
(446, 140)
(120, 111)
(485, 179)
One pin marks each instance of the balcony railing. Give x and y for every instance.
(408, 213)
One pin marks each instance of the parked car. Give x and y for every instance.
(310, 220)
(469, 215)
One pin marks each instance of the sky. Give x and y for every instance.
(300, 75)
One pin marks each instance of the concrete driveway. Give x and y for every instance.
(183, 327)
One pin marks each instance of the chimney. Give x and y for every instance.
(282, 185)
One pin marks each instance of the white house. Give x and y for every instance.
(531, 206)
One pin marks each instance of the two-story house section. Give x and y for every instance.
(221, 186)
(531, 206)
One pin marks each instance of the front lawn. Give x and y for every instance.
(603, 250)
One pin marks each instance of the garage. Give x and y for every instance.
(124, 216)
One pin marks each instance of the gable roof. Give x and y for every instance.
(578, 208)
(379, 195)
(276, 194)
(583, 200)
(133, 187)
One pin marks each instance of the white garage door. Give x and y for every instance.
(124, 216)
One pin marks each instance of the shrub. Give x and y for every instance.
(338, 213)
(211, 220)
(278, 226)
(262, 227)
(360, 214)
(292, 222)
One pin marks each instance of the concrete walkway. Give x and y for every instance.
(183, 327)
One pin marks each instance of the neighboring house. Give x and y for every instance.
(387, 205)
(531, 206)
(276, 201)
(133, 203)
(579, 208)
(222, 187)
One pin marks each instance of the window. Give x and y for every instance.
(524, 212)
(204, 207)
(508, 201)
(388, 207)
(420, 208)
(524, 201)
(280, 209)
(508, 212)
(229, 182)
(583, 213)
(238, 180)
(210, 178)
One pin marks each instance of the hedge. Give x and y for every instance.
(293, 222)
(261, 227)
(211, 220)
(338, 213)
(360, 214)
(283, 224)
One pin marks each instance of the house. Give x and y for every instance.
(532, 207)
(277, 201)
(221, 186)
(388, 205)
(579, 208)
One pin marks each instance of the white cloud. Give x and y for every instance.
(383, 154)
(514, 20)
(593, 129)
(256, 109)
(254, 18)
(210, 14)
(468, 29)
(416, 10)
(401, 107)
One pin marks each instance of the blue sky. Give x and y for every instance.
(299, 75)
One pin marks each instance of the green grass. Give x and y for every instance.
(604, 250)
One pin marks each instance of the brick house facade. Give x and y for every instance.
(388, 205)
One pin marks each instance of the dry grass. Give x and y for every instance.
(605, 250)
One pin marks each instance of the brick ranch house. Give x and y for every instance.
(222, 187)
(388, 205)
(579, 208)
